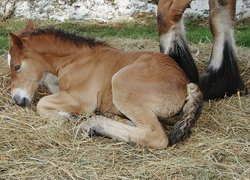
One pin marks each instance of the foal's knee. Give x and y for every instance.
(42, 106)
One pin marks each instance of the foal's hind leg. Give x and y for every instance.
(222, 76)
(132, 99)
(172, 35)
(146, 130)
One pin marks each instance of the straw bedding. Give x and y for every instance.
(35, 147)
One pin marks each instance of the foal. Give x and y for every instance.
(92, 76)
(222, 76)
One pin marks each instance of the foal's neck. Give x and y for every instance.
(59, 58)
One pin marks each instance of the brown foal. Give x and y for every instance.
(92, 76)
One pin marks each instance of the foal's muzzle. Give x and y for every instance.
(22, 101)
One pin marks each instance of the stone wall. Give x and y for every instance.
(99, 10)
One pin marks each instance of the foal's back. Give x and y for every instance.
(154, 71)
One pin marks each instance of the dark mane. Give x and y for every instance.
(65, 36)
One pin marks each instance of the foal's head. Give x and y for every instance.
(26, 70)
(32, 53)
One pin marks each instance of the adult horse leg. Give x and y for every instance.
(172, 35)
(222, 76)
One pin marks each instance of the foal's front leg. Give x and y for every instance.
(50, 81)
(62, 103)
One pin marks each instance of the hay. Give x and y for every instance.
(34, 147)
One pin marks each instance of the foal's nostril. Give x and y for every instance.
(17, 99)
(24, 102)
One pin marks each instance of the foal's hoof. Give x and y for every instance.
(85, 128)
(179, 133)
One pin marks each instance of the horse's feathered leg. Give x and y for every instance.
(172, 35)
(222, 76)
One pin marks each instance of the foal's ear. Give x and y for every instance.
(15, 41)
(29, 25)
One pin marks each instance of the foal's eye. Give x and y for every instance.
(17, 67)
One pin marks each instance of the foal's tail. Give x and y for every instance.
(190, 113)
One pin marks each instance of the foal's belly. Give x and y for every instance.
(105, 102)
